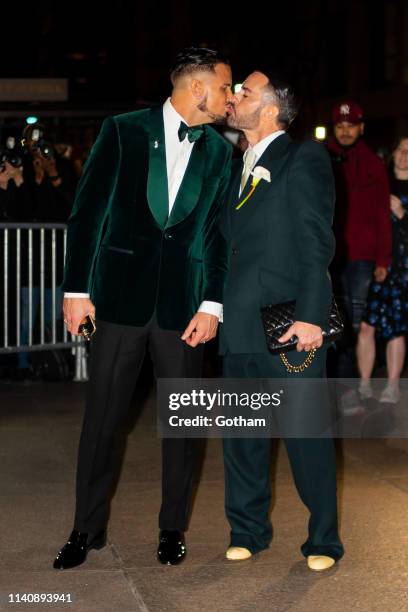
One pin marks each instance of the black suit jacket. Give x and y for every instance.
(280, 243)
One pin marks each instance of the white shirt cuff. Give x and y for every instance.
(212, 308)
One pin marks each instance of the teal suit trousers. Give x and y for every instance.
(247, 465)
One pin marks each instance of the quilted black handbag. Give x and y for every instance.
(277, 318)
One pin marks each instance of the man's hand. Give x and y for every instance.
(17, 175)
(50, 166)
(38, 168)
(76, 309)
(5, 176)
(380, 274)
(202, 328)
(10, 172)
(309, 336)
(46, 167)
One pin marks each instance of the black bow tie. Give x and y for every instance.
(192, 133)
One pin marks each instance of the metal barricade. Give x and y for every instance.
(29, 258)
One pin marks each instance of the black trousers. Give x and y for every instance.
(116, 360)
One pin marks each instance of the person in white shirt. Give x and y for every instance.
(146, 259)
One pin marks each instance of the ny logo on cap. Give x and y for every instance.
(345, 109)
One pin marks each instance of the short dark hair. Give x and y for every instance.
(191, 59)
(282, 94)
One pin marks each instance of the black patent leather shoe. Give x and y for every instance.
(172, 547)
(74, 552)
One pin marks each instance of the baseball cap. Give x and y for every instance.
(347, 111)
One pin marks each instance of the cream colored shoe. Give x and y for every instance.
(319, 562)
(236, 553)
(365, 390)
(391, 394)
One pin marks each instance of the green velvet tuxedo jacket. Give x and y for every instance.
(280, 243)
(122, 246)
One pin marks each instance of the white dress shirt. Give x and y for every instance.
(177, 152)
(177, 158)
(260, 147)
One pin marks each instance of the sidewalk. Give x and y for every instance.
(39, 433)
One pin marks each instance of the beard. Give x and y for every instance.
(349, 145)
(217, 119)
(245, 122)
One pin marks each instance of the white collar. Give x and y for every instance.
(260, 147)
(171, 117)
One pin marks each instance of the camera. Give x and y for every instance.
(33, 141)
(11, 154)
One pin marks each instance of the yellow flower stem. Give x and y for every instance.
(253, 187)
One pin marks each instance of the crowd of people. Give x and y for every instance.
(37, 185)
(370, 268)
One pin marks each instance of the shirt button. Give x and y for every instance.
(168, 236)
(234, 251)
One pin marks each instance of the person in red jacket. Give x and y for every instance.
(362, 222)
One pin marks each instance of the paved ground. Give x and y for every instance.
(38, 439)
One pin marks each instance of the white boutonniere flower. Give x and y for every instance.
(258, 174)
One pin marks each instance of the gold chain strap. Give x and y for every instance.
(300, 368)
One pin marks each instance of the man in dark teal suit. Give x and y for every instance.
(146, 258)
(280, 246)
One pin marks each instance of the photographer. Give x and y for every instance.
(41, 190)
(14, 196)
(51, 178)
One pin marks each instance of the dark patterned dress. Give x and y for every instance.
(387, 302)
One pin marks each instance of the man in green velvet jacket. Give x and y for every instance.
(146, 258)
(280, 246)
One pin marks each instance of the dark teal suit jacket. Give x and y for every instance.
(280, 243)
(123, 248)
